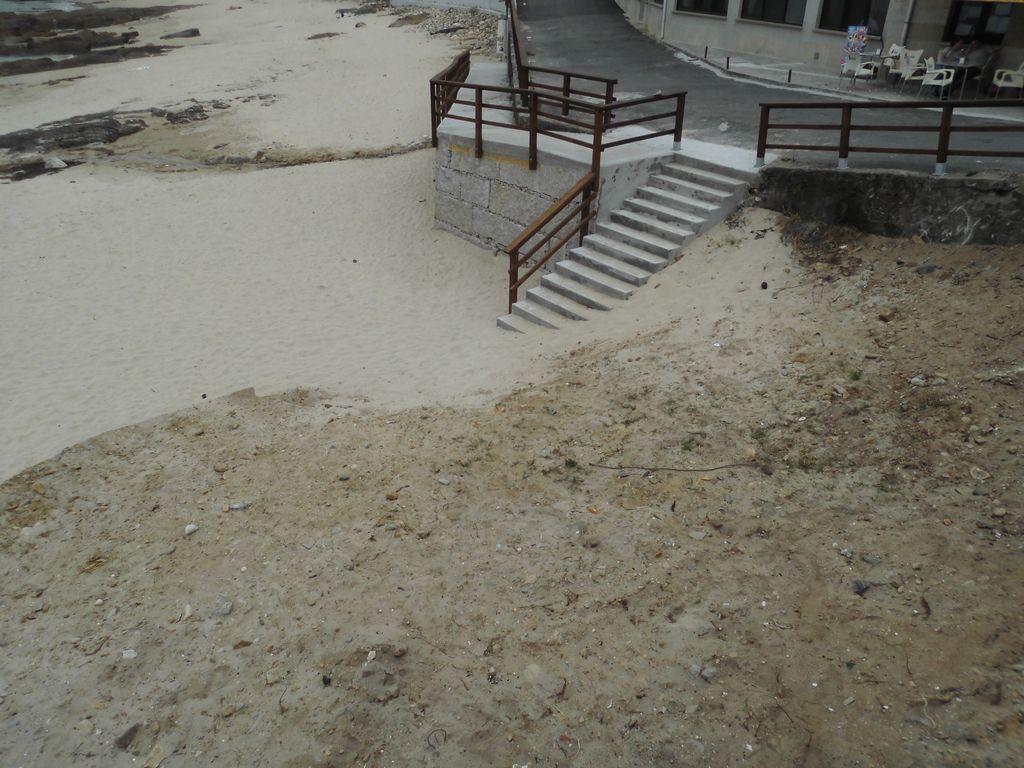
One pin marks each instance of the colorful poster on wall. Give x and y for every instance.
(856, 39)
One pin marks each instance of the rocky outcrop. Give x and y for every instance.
(77, 132)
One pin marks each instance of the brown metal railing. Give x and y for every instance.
(549, 114)
(555, 227)
(565, 106)
(557, 117)
(568, 84)
(516, 54)
(846, 128)
(442, 97)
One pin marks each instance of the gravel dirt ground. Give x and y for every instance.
(811, 554)
(766, 513)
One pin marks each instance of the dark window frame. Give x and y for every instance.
(748, 12)
(708, 11)
(851, 16)
(985, 10)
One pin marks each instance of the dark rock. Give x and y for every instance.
(22, 25)
(190, 32)
(322, 35)
(927, 269)
(27, 66)
(189, 114)
(76, 132)
(412, 18)
(127, 739)
(82, 41)
(860, 587)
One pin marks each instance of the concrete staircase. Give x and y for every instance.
(683, 198)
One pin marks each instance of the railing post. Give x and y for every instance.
(533, 130)
(595, 159)
(566, 83)
(844, 137)
(513, 278)
(478, 121)
(762, 135)
(609, 97)
(677, 137)
(433, 114)
(589, 195)
(945, 126)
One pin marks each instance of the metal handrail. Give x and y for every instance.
(517, 49)
(586, 189)
(846, 128)
(589, 130)
(444, 88)
(604, 112)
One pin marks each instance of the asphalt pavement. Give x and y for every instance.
(594, 37)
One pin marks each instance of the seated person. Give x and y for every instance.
(967, 60)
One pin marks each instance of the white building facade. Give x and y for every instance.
(814, 31)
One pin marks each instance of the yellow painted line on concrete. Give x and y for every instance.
(521, 162)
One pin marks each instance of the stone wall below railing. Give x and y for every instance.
(983, 208)
(491, 200)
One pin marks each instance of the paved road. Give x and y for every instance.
(594, 37)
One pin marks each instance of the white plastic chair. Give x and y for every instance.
(906, 64)
(854, 68)
(1009, 78)
(940, 78)
(918, 74)
(893, 56)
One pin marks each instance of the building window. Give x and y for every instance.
(714, 7)
(984, 22)
(781, 11)
(840, 14)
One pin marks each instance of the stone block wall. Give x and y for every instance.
(983, 209)
(491, 200)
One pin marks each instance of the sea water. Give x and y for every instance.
(35, 6)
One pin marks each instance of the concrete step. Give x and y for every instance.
(695, 190)
(678, 234)
(675, 200)
(621, 250)
(610, 265)
(575, 290)
(705, 178)
(556, 302)
(677, 216)
(748, 175)
(515, 323)
(646, 241)
(535, 313)
(578, 272)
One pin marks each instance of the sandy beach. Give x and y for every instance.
(139, 283)
(280, 494)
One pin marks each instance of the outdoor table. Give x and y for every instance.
(958, 67)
